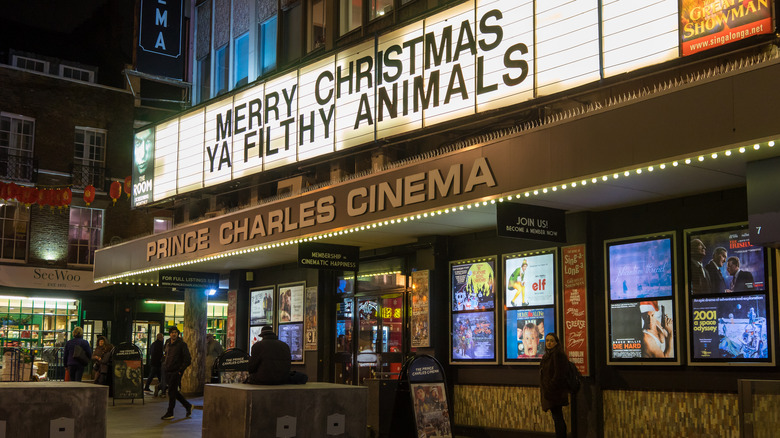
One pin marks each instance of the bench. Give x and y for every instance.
(316, 409)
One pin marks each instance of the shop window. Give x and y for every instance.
(291, 33)
(89, 157)
(17, 135)
(267, 45)
(14, 223)
(379, 8)
(85, 234)
(78, 74)
(350, 12)
(36, 322)
(203, 82)
(316, 24)
(221, 67)
(241, 59)
(31, 64)
(216, 318)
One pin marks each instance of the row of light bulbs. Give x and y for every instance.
(438, 212)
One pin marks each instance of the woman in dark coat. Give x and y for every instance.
(102, 360)
(554, 389)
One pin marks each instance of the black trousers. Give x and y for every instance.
(558, 421)
(173, 381)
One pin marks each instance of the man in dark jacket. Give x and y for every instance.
(155, 363)
(177, 359)
(270, 360)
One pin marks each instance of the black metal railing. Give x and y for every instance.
(88, 174)
(17, 167)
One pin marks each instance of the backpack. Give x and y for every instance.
(573, 377)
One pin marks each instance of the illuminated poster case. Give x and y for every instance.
(529, 301)
(290, 312)
(729, 300)
(261, 311)
(473, 311)
(640, 289)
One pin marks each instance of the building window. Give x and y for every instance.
(267, 45)
(379, 8)
(14, 223)
(16, 147)
(291, 33)
(221, 70)
(317, 24)
(31, 64)
(84, 235)
(78, 74)
(350, 12)
(203, 88)
(241, 59)
(89, 157)
(162, 224)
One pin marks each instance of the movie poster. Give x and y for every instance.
(473, 336)
(642, 329)
(575, 306)
(232, 296)
(292, 335)
(525, 332)
(706, 25)
(291, 303)
(431, 411)
(254, 335)
(530, 280)
(143, 167)
(730, 327)
(640, 269)
(420, 311)
(311, 318)
(261, 307)
(724, 261)
(473, 285)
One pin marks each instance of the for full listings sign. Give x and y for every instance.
(195, 280)
(328, 256)
(530, 222)
(575, 304)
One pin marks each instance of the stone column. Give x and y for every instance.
(195, 306)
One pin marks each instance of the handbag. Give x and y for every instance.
(80, 355)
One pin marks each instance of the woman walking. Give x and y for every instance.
(554, 389)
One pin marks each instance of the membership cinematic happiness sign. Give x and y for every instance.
(474, 57)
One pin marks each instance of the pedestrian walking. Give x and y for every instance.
(177, 359)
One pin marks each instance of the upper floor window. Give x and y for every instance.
(221, 66)
(291, 33)
(31, 64)
(379, 8)
(316, 24)
(241, 59)
(14, 223)
(350, 13)
(17, 135)
(89, 156)
(162, 224)
(85, 233)
(78, 74)
(267, 46)
(203, 87)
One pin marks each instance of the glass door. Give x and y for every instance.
(144, 333)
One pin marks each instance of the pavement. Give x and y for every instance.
(136, 418)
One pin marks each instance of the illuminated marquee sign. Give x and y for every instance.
(475, 57)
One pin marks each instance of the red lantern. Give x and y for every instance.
(42, 197)
(3, 190)
(128, 185)
(56, 198)
(13, 191)
(28, 196)
(67, 196)
(115, 191)
(89, 194)
(32, 196)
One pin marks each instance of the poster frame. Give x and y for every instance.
(768, 292)
(301, 322)
(677, 359)
(272, 288)
(496, 327)
(553, 251)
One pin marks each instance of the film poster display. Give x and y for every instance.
(291, 302)
(707, 25)
(261, 306)
(473, 316)
(640, 291)
(292, 335)
(729, 301)
(575, 304)
(525, 332)
(233, 366)
(232, 297)
(128, 372)
(421, 316)
(310, 311)
(254, 335)
(530, 280)
(430, 410)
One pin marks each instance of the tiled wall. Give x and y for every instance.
(766, 415)
(502, 407)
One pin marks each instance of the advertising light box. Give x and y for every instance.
(473, 286)
(473, 336)
(525, 332)
(640, 269)
(166, 155)
(642, 330)
(143, 166)
(730, 328)
(707, 25)
(530, 280)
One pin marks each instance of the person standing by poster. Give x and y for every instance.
(552, 376)
(177, 359)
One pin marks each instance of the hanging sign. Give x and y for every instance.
(328, 256)
(524, 221)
